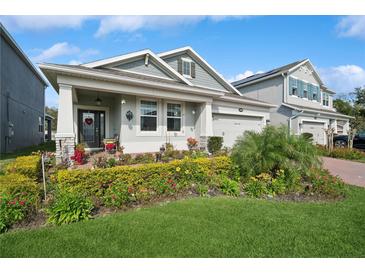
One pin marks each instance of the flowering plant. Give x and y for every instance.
(192, 143)
(79, 154)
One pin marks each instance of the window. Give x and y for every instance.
(173, 117)
(186, 66)
(40, 124)
(148, 115)
(305, 90)
(293, 86)
(325, 99)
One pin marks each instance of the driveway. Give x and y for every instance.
(351, 172)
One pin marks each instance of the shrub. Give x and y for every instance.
(272, 150)
(21, 187)
(12, 210)
(144, 158)
(229, 187)
(19, 195)
(323, 183)
(215, 144)
(265, 184)
(255, 188)
(29, 166)
(69, 208)
(145, 181)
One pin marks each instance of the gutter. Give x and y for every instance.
(291, 118)
(319, 111)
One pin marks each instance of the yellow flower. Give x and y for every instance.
(187, 171)
(178, 169)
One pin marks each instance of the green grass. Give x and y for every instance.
(207, 227)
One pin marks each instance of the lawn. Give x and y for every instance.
(207, 227)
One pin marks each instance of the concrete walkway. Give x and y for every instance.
(351, 172)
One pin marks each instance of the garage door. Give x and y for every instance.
(317, 129)
(232, 126)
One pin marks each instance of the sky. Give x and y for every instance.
(236, 46)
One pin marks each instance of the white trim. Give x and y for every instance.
(335, 114)
(124, 57)
(182, 118)
(310, 63)
(213, 72)
(158, 131)
(90, 107)
(127, 80)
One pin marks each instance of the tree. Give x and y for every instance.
(53, 111)
(353, 105)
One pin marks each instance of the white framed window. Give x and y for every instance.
(325, 99)
(148, 115)
(174, 117)
(186, 67)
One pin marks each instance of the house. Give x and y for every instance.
(22, 97)
(147, 99)
(303, 102)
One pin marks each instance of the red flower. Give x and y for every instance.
(22, 203)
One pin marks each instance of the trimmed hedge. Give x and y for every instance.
(20, 186)
(128, 183)
(215, 144)
(29, 166)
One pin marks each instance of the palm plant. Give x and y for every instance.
(272, 150)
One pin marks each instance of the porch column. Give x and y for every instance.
(65, 136)
(206, 123)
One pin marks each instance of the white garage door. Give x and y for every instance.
(317, 129)
(232, 126)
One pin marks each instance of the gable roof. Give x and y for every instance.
(270, 73)
(125, 57)
(201, 62)
(10, 40)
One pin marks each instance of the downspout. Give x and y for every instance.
(291, 118)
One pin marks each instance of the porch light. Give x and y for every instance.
(123, 102)
(98, 101)
(193, 111)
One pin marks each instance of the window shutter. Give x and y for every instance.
(318, 94)
(179, 65)
(310, 91)
(300, 88)
(192, 69)
(291, 83)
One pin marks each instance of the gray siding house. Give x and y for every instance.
(22, 96)
(147, 99)
(303, 102)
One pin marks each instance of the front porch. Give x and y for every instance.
(141, 123)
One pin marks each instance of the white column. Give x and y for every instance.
(205, 121)
(65, 136)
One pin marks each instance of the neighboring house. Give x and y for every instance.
(303, 102)
(148, 99)
(22, 95)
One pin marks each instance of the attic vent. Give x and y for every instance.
(146, 59)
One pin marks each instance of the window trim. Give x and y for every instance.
(296, 87)
(140, 132)
(182, 128)
(186, 60)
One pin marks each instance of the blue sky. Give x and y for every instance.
(235, 46)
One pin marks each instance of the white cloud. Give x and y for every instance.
(243, 75)
(42, 22)
(129, 23)
(58, 49)
(343, 79)
(352, 26)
